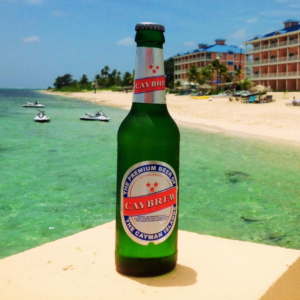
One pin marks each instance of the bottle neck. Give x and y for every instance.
(149, 83)
(150, 38)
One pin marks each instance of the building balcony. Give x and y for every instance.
(273, 60)
(273, 45)
(180, 71)
(280, 75)
(190, 60)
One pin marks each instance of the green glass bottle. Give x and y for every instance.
(148, 168)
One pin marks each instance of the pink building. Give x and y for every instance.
(232, 56)
(273, 59)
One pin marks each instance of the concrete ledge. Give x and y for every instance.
(209, 268)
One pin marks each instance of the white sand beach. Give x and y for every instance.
(268, 120)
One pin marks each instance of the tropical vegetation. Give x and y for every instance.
(107, 79)
(223, 75)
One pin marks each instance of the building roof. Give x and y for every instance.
(280, 31)
(291, 21)
(214, 48)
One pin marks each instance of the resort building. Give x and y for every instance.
(232, 56)
(273, 59)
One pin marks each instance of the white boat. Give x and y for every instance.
(98, 116)
(220, 95)
(41, 117)
(35, 104)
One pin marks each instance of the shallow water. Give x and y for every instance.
(58, 178)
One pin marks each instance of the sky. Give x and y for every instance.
(43, 39)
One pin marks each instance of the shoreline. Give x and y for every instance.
(272, 122)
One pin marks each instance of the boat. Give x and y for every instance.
(248, 94)
(221, 95)
(41, 117)
(98, 116)
(35, 104)
(201, 97)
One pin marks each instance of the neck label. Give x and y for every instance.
(149, 84)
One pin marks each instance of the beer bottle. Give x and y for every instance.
(147, 168)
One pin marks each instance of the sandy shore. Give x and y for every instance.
(269, 120)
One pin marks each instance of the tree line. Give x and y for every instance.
(107, 78)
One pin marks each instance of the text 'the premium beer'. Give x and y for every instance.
(148, 167)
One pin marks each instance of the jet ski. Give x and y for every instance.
(98, 116)
(41, 117)
(35, 104)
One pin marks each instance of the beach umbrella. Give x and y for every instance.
(260, 88)
(204, 86)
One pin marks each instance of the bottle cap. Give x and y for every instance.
(149, 26)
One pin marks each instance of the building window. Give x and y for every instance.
(230, 63)
(219, 55)
(234, 56)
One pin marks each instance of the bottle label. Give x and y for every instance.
(149, 202)
(149, 83)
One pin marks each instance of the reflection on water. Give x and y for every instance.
(59, 178)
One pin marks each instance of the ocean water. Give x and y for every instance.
(59, 178)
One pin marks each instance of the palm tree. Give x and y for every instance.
(193, 74)
(223, 71)
(106, 70)
(128, 79)
(204, 74)
(215, 66)
(245, 84)
(238, 72)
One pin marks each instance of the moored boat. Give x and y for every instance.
(98, 116)
(36, 104)
(201, 97)
(41, 117)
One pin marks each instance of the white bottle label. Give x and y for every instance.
(149, 202)
(149, 83)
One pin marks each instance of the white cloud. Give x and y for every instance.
(127, 41)
(59, 13)
(239, 34)
(252, 20)
(31, 39)
(191, 43)
(34, 2)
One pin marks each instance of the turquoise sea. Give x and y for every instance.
(58, 178)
